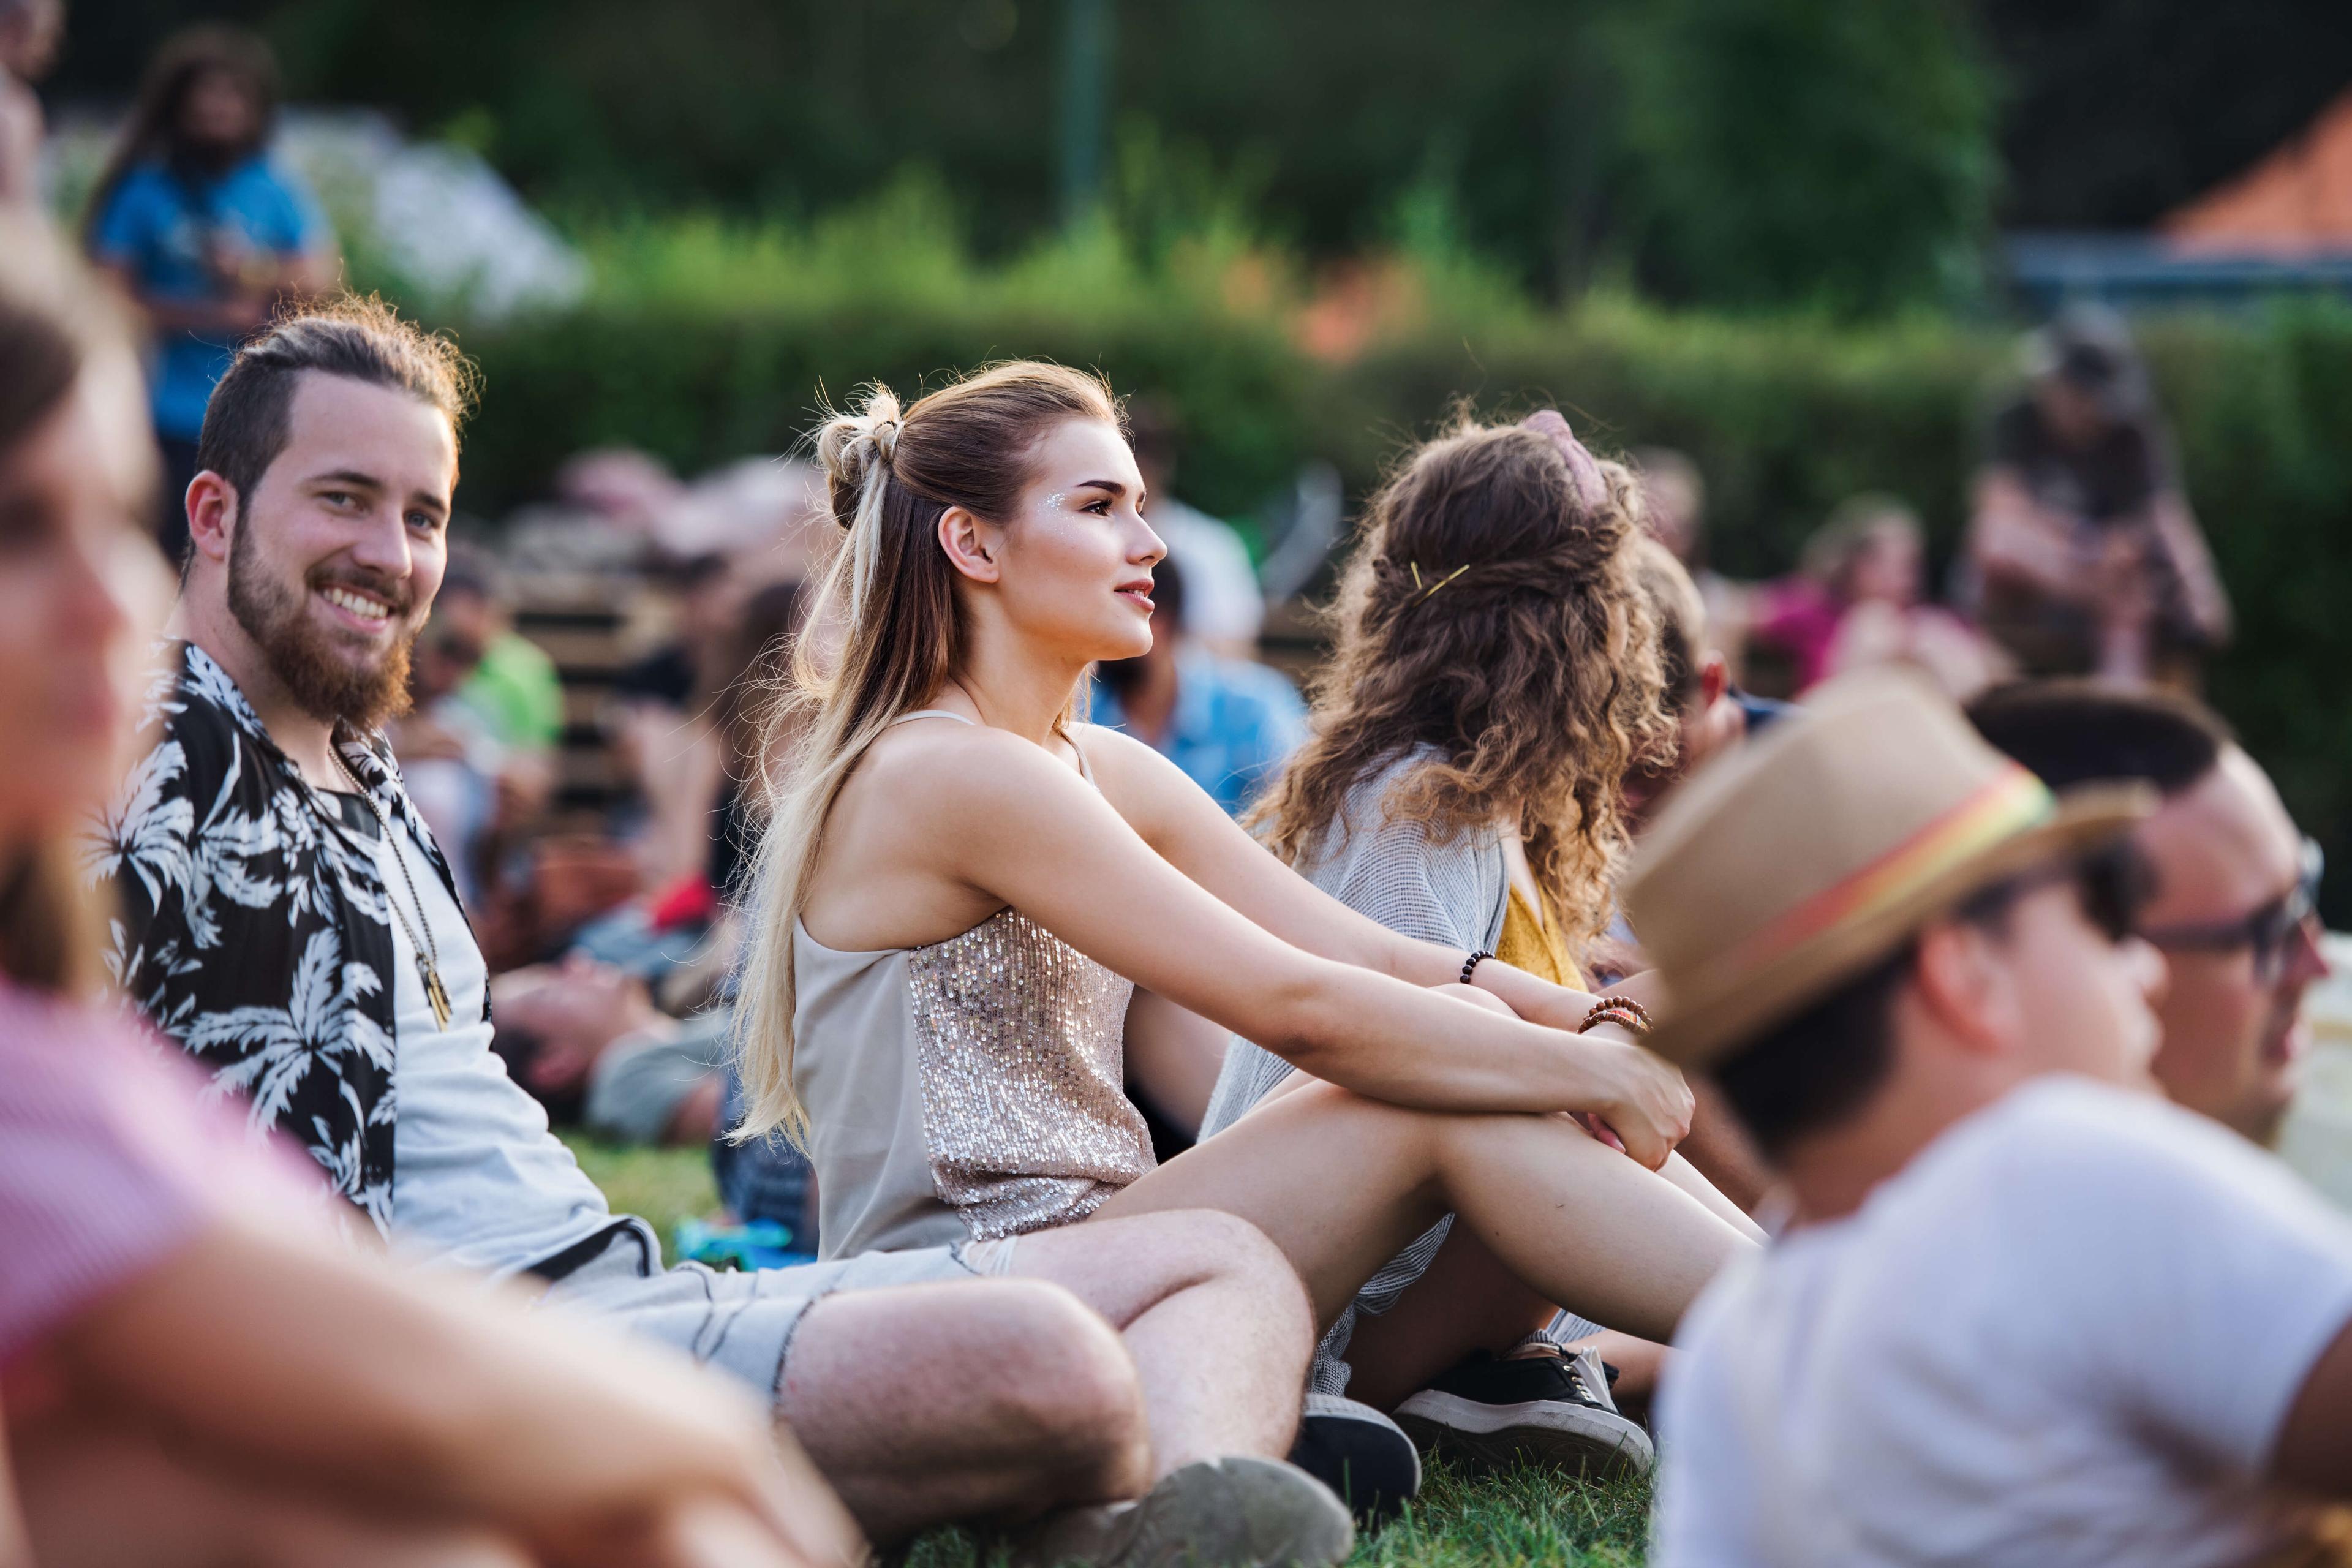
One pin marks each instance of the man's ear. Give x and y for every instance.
(1967, 989)
(1713, 679)
(970, 545)
(212, 504)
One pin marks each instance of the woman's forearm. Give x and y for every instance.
(1537, 1000)
(1416, 1046)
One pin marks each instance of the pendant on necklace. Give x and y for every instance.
(438, 995)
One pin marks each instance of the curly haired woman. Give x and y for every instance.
(961, 885)
(1496, 676)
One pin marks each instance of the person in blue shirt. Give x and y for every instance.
(1229, 723)
(203, 230)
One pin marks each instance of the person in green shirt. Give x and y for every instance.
(514, 689)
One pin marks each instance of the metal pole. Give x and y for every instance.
(1089, 28)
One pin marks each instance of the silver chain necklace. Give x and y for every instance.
(428, 954)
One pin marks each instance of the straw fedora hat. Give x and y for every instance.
(1800, 859)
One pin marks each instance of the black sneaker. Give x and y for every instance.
(1360, 1454)
(1549, 1410)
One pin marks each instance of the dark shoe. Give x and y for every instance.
(1360, 1454)
(1219, 1513)
(1547, 1410)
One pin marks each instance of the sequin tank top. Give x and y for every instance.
(971, 1088)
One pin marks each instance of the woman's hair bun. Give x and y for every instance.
(859, 448)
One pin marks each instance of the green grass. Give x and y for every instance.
(1517, 1520)
(1523, 1518)
(664, 1185)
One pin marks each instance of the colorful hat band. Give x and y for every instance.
(2003, 808)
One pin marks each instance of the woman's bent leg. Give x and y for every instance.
(1340, 1183)
(1465, 1302)
(1690, 1179)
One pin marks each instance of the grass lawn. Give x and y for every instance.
(1518, 1521)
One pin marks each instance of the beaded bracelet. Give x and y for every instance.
(1626, 1004)
(1622, 1011)
(1473, 961)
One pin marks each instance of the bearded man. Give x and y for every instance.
(287, 918)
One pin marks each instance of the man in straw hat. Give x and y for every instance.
(1984, 1334)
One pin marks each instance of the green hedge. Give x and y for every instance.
(1786, 417)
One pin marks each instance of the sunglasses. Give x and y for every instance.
(2112, 883)
(2265, 932)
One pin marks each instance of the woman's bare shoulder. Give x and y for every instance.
(1142, 785)
(937, 761)
(1107, 748)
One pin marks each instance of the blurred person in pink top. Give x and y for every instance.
(1859, 599)
(196, 1372)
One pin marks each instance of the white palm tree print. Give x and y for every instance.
(275, 1047)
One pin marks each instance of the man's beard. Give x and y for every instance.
(322, 681)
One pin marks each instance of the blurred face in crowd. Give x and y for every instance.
(1707, 723)
(30, 31)
(1670, 507)
(2228, 865)
(2070, 410)
(1886, 567)
(336, 556)
(81, 592)
(1072, 570)
(452, 645)
(219, 109)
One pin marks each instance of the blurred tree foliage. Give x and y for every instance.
(1716, 150)
(1807, 150)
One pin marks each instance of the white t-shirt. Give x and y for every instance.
(2067, 1333)
(477, 1180)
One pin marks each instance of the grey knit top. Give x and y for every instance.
(1454, 893)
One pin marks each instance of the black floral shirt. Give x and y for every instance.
(251, 922)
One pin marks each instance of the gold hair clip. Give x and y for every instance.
(1441, 583)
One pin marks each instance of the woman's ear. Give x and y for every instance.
(970, 545)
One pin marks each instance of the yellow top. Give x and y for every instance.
(1528, 943)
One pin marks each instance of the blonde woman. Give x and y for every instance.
(961, 885)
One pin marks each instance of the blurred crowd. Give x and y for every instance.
(2081, 556)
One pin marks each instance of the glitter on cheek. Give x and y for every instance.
(1020, 1039)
